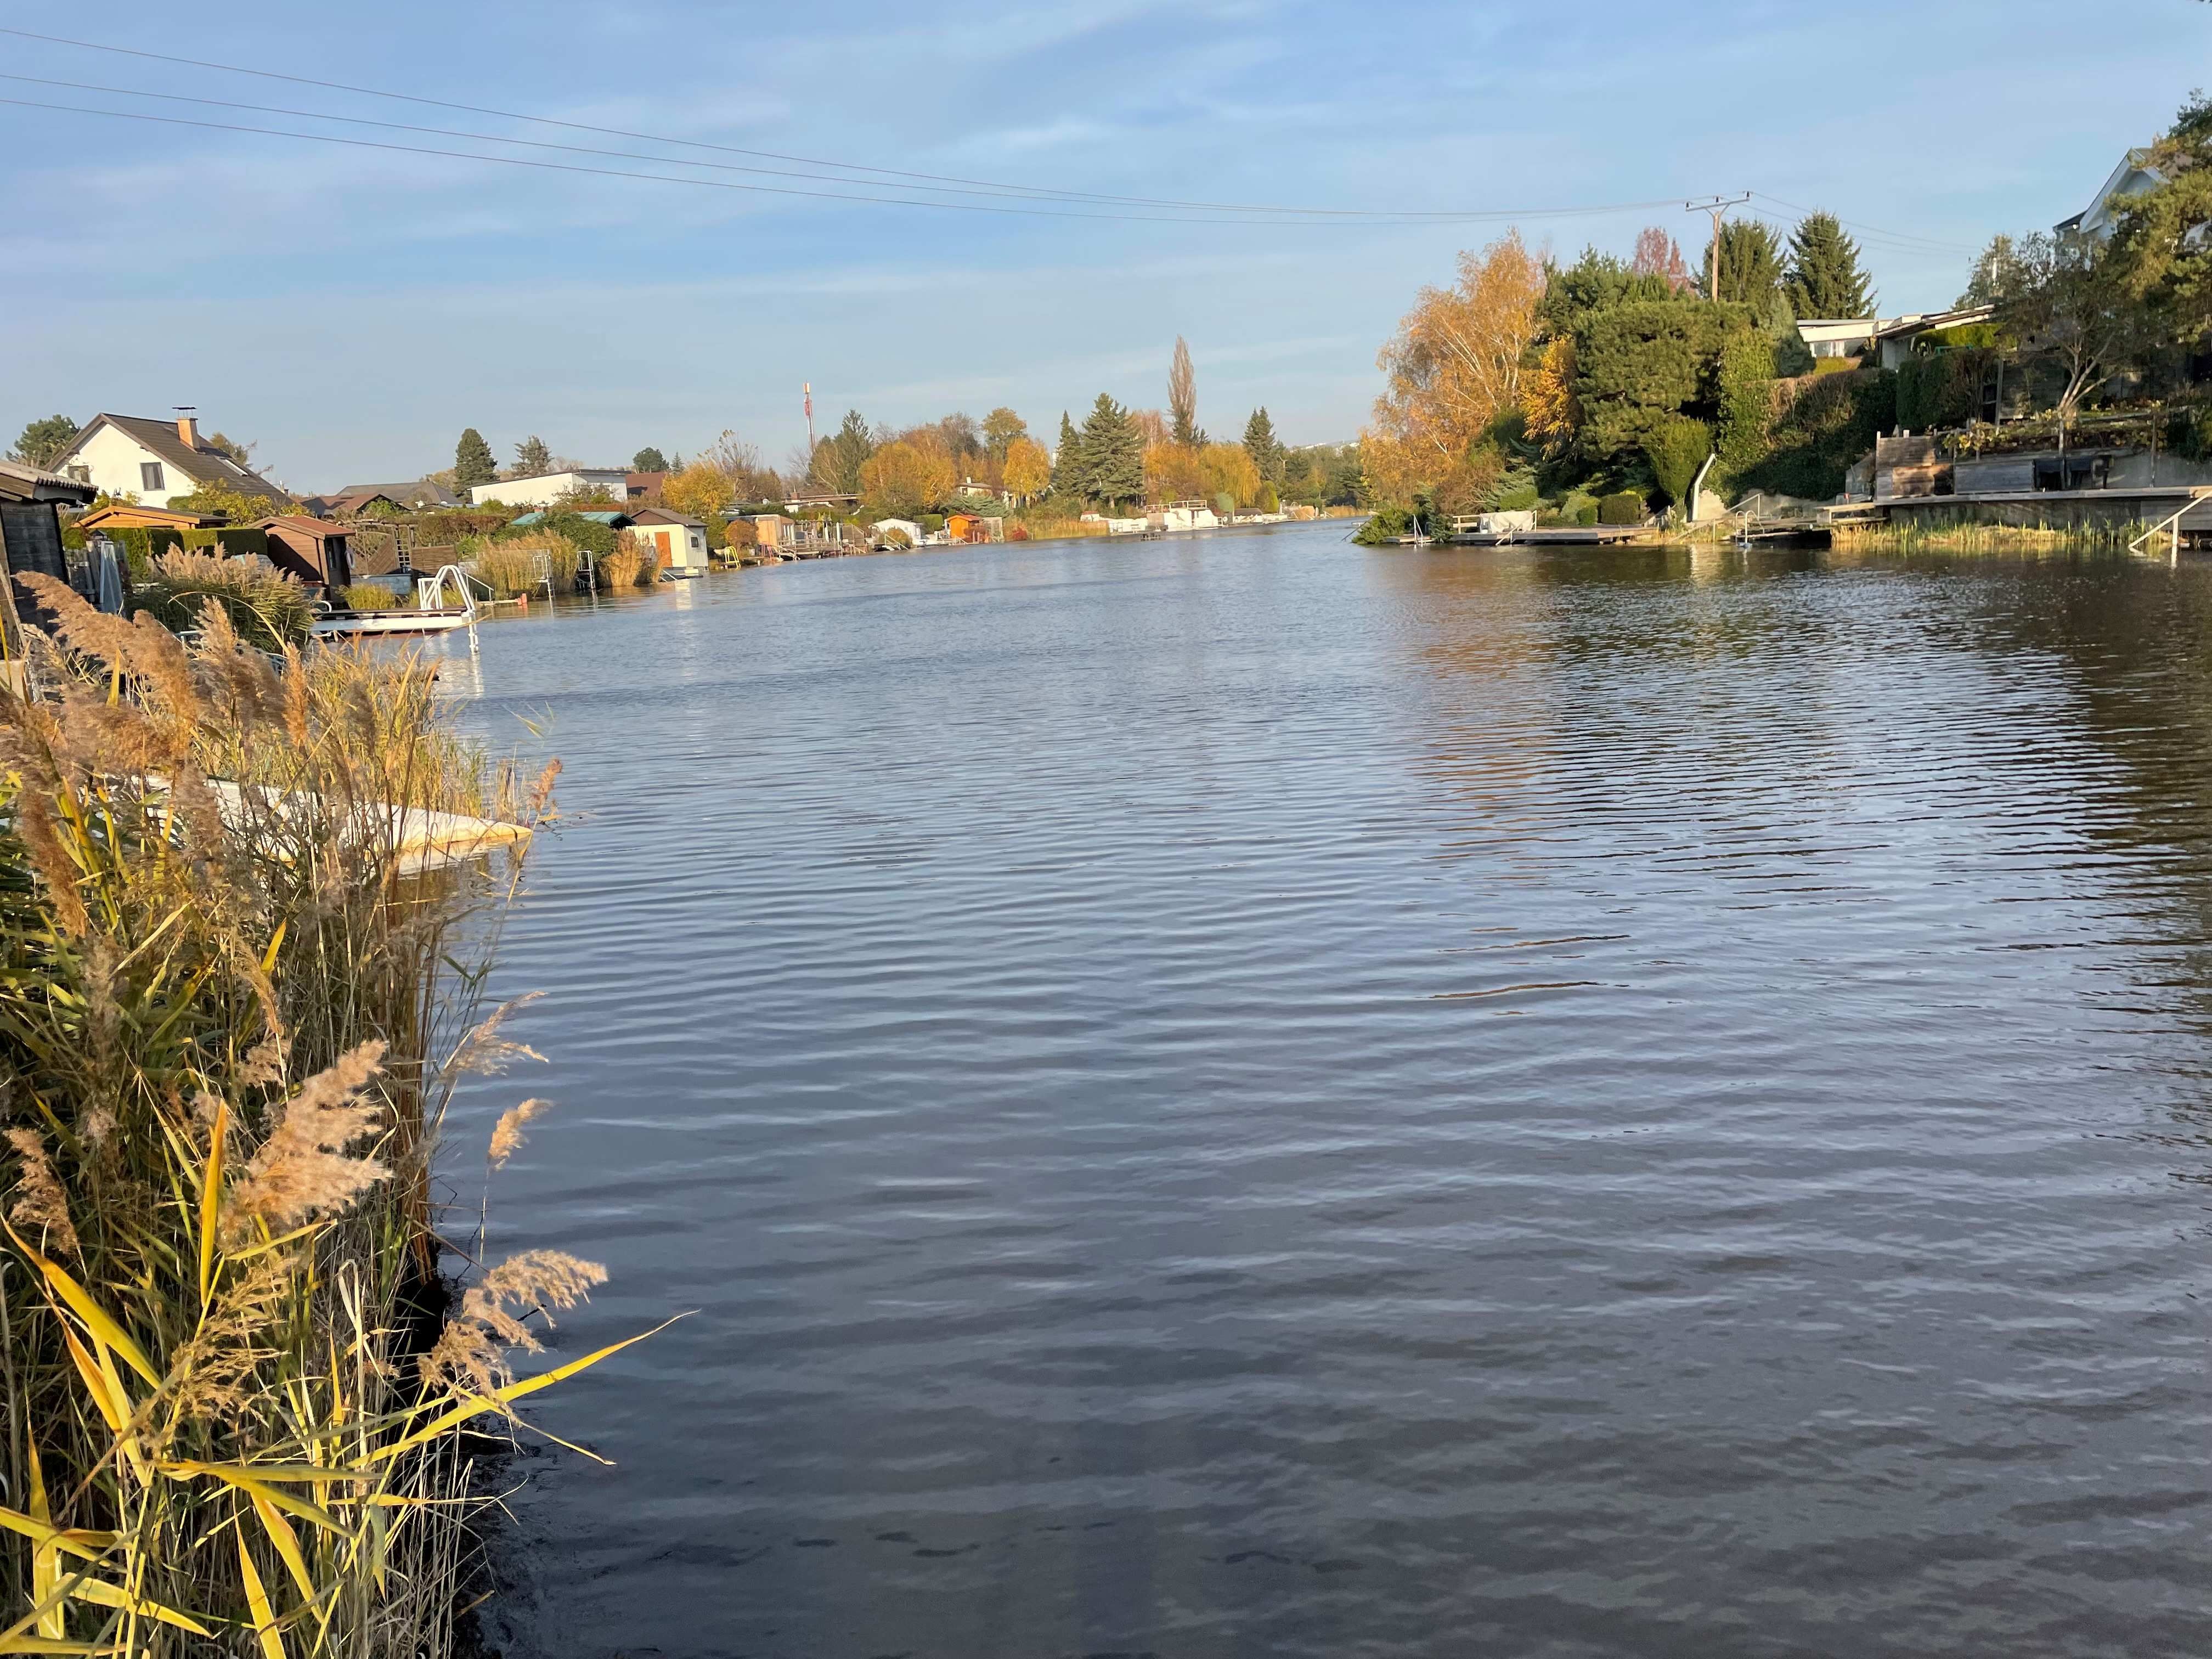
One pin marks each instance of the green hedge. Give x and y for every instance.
(1623, 507)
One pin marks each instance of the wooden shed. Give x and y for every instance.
(30, 539)
(313, 550)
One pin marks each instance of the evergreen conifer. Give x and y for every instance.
(1070, 476)
(1750, 266)
(1114, 454)
(472, 462)
(532, 459)
(1265, 448)
(1824, 278)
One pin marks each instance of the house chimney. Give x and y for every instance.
(188, 429)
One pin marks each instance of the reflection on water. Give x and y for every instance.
(1251, 1096)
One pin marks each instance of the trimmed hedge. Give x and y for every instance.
(1623, 507)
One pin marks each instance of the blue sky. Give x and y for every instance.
(351, 309)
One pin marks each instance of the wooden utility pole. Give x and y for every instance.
(1717, 206)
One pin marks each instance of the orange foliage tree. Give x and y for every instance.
(1228, 470)
(1454, 364)
(903, 479)
(1555, 414)
(1028, 468)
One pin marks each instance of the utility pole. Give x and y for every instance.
(1717, 206)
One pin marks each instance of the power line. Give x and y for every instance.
(1369, 216)
(1401, 216)
(705, 184)
(1875, 231)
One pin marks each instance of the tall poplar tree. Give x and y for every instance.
(1824, 278)
(1113, 454)
(473, 463)
(1182, 399)
(1070, 475)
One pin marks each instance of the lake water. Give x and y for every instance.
(1248, 1097)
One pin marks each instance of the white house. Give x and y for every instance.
(2134, 177)
(154, 462)
(1838, 337)
(548, 487)
(679, 539)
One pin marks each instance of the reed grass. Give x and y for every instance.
(229, 1023)
(625, 566)
(512, 564)
(264, 607)
(1948, 535)
(368, 596)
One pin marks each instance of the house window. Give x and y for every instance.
(150, 474)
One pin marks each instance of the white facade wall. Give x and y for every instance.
(545, 490)
(687, 543)
(112, 458)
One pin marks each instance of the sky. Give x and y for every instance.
(349, 309)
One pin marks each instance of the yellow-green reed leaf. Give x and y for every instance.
(77, 1541)
(100, 1591)
(211, 1198)
(95, 1385)
(260, 1474)
(242, 1477)
(96, 1317)
(286, 1542)
(46, 1558)
(122, 1399)
(275, 944)
(45, 1644)
(257, 1600)
(480, 1404)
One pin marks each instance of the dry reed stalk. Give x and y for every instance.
(208, 1265)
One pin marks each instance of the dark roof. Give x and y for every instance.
(22, 483)
(205, 464)
(401, 494)
(322, 529)
(666, 515)
(599, 515)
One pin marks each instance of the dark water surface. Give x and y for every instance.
(1245, 1097)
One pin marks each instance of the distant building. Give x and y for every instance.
(1895, 340)
(643, 486)
(1838, 337)
(422, 495)
(2134, 177)
(135, 460)
(547, 487)
(679, 539)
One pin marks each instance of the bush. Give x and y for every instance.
(1384, 526)
(267, 608)
(509, 565)
(1623, 507)
(1677, 447)
(588, 534)
(931, 522)
(1586, 513)
(2189, 433)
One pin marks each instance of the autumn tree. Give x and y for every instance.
(1455, 363)
(1553, 413)
(902, 479)
(1173, 473)
(1112, 454)
(1182, 399)
(238, 454)
(473, 462)
(1002, 429)
(1229, 473)
(1028, 468)
(701, 489)
(41, 441)
(1658, 255)
(532, 459)
(1824, 278)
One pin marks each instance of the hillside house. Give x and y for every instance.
(1838, 337)
(547, 487)
(155, 462)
